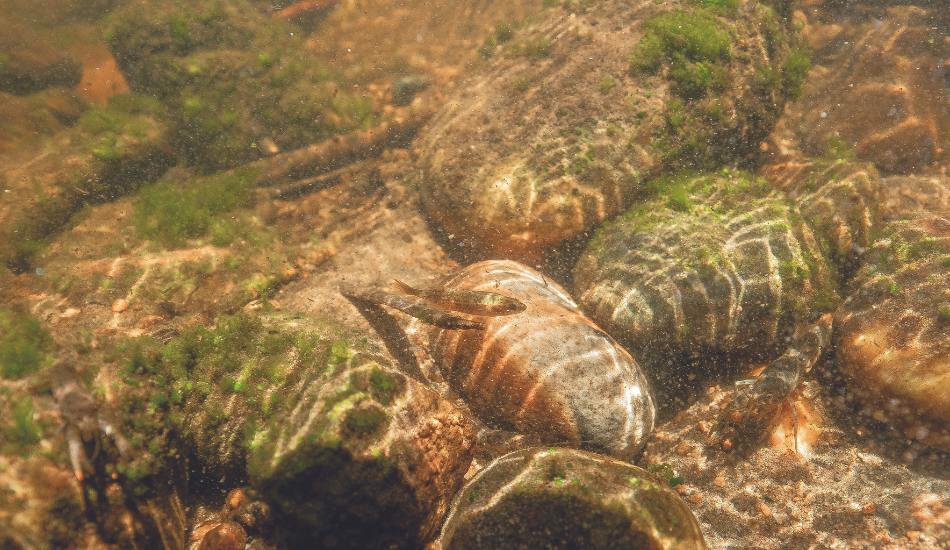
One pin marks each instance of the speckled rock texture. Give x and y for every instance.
(363, 457)
(894, 329)
(548, 371)
(721, 261)
(878, 87)
(565, 498)
(572, 113)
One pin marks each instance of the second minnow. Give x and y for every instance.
(472, 302)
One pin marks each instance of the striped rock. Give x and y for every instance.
(565, 498)
(548, 371)
(893, 332)
(848, 204)
(840, 200)
(718, 261)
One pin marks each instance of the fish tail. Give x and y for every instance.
(404, 288)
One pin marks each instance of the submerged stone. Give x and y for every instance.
(547, 371)
(720, 260)
(363, 457)
(566, 498)
(893, 332)
(559, 130)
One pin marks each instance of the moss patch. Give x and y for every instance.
(231, 77)
(172, 212)
(24, 343)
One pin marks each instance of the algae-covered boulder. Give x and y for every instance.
(893, 331)
(840, 199)
(558, 130)
(565, 498)
(110, 152)
(361, 457)
(721, 261)
(231, 78)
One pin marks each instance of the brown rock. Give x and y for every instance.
(874, 89)
(893, 332)
(548, 371)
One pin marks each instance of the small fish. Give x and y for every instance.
(429, 316)
(472, 302)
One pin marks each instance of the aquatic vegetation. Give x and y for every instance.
(230, 78)
(114, 131)
(796, 68)
(207, 391)
(701, 52)
(172, 212)
(24, 343)
(24, 431)
(504, 31)
(112, 151)
(695, 46)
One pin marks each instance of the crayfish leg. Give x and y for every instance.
(800, 421)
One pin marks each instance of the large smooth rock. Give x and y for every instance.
(559, 130)
(721, 261)
(547, 371)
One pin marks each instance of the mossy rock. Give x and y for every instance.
(231, 77)
(565, 498)
(540, 148)
(842, 202)
(362, 456)
(893, 331)
(110, 152)
(720, 261)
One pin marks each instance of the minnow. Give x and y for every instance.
(429, 316)
(471, 302)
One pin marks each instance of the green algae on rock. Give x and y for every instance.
(893, 331)
(718, 260)
(534, 152)
(24, 344)
(231, 78)
(565, 498)
(841, 201)
(360, 456)
(111, 151)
